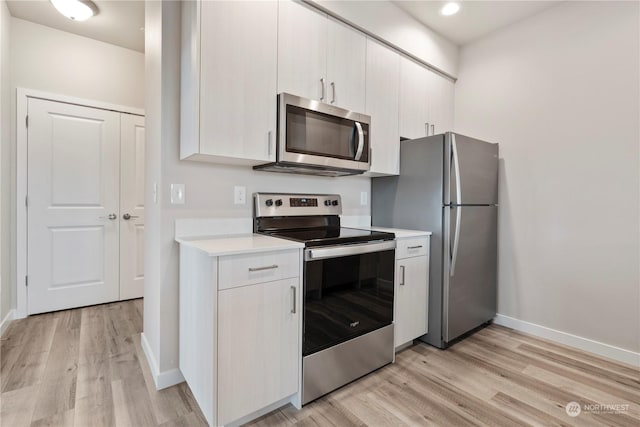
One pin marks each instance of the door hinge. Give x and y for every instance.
(26, 281)
(26, 201)
(26, 120)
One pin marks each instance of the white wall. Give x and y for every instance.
(396, 27)
(208, 191)
(49, 60)
(56, 61)
(560, 93)
(5, 165)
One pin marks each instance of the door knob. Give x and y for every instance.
(110, 216)
(128, 217)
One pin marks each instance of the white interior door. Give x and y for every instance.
(73, 191)
(131, 206)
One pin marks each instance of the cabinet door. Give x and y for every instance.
(447, 108)
(346, 62)
(238, 71)
(414, 88)
(302, 51)
(258, 348)
(382, 98)
(440, 100)
(412, 298)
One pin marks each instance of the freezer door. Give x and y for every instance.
(471, 169)
(470, 269)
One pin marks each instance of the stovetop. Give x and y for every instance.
(309, 218)
(331, 236)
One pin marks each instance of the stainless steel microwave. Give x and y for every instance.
(319, 139)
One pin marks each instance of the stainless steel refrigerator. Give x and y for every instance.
(448, 184)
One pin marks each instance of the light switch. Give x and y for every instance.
(177, 194)
(239, 195)
(363, 198)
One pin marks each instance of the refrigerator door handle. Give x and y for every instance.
(456, 167)
(456, 240)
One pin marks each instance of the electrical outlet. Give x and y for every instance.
(363, 198)
(177, 194)
(239, 195)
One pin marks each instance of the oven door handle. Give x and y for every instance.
(347, 250)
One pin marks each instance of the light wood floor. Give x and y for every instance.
(85, 367)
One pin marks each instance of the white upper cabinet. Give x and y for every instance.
(228, 111)
(302, 51)
(382, 104)
(320, 58)
(346, 66)
(238, 55)
(426, 101)
(441, 107)
(414, 90)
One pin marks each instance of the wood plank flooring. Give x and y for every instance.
(85, 367)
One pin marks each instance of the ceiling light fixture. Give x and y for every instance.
(77, 10)
(449, 9)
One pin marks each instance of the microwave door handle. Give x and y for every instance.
(360, 141)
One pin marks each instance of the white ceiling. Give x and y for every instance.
(475, 18)
(118, 22)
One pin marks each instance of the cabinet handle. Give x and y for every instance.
(414, 247)
(293, 305)
(433, 129)
(268, 267)
(402, 275)
(426, 129)
(269, 143)
(333, 92)
(322, 89)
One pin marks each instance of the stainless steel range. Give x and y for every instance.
(348, 288)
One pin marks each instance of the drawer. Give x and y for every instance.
(414, 246)
(241, 270)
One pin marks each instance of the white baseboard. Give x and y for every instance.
(616, 353)
(161, 379)
(7, 321)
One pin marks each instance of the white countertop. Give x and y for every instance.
(399, 232)
(238, 244)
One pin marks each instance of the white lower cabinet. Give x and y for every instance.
(257, 347)
(411, 290)
(240, 349)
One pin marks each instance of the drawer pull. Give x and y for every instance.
(268, 267)
(414, 247)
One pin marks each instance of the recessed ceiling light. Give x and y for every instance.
(449, 9)
(77, 10)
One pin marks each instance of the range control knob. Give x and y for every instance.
(327, 202)
(279, 202)
(334, 203)
(269, 202)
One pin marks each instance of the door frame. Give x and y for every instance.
(22, 101)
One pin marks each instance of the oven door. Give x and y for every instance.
(348, 292)
(314, 133)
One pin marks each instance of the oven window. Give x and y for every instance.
(310, 132)
(346, 297)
